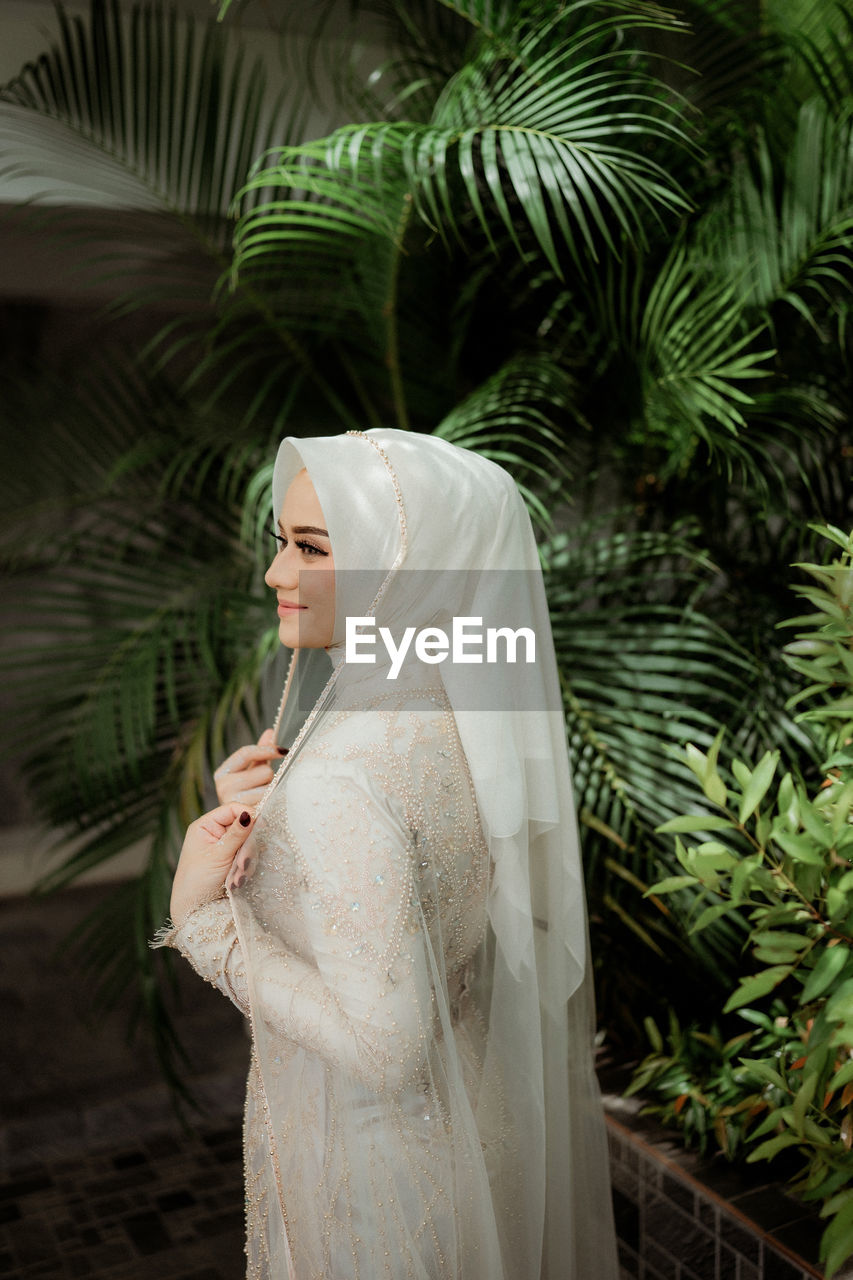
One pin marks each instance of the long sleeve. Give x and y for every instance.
(207, 938)
(356, 992)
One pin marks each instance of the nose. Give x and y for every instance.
(283, 573)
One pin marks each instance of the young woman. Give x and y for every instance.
(399, 911)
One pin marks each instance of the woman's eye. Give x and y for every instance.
(307, 547)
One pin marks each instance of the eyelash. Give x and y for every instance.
(303, 546)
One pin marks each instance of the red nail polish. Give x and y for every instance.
(245, 819)
(282, 751)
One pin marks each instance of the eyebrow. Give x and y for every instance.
(306, 528)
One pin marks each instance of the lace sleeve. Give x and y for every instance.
(208, 940)
(358, 993)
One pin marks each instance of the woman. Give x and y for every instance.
(401, 917)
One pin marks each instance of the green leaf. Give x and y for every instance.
(745, 875)
(803, 1100)
(767, 1150)
(705, 768)
(760, 984)
(758, 784)
(774, 937)
(836, 1244)
(799, 847)
(775, 954)
(710, 915)
(759, 1067)
(843, 1076)
(828, 968)
(839, 1007)
(836, 903)
(696, 822)
(655, 1037)
(816, 826)
(670, 884)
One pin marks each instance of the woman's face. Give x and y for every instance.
(302, 574)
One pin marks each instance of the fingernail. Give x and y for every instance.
(282, 751)
(245, 818)
(238, 882)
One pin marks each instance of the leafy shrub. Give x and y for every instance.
(779, 851)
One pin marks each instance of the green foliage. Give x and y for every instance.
(718, 1090)
(590, 240)
(552, 126)
(780, 851)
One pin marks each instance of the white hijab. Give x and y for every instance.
(421, 531)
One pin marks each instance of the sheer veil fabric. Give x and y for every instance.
(410, 945)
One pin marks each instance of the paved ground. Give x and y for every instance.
(100, 1177)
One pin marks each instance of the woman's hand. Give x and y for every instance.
(209, 849)
(242, 778)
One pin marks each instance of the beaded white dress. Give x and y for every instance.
(356, 859)
(409, 946)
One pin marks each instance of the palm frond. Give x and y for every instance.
(729, 63)
(644, 670)
(159, 119)
(819, 35)
(788, 233)
(696, 352)
(559, 139)
(521, 417)
(692, 347)
(151, 128)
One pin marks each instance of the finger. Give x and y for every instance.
(248, 799)
(243, 860)
(243, 863)
(235, 835)
(267, 739)
(257, 777)
(236, 786)
(247, 756)
(241, 868)
(220, 820)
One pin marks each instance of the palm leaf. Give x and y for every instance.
(520, 418)
(696, 352)
(165, 120)
(819, 34)
(560, 136)
(789, 233)
(729, 62)
(644, 671)
(693, 349)
(147, 124)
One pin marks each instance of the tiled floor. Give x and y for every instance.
(167, 1207)
(99, 1176)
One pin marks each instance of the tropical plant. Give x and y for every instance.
(700, 1082)
(780, 853)
(525, 244)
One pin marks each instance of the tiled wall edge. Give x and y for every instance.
(658, 1160)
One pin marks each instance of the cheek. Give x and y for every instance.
(322, 588)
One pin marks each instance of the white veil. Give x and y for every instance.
(423, 531)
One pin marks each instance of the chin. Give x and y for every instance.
(294, 636)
